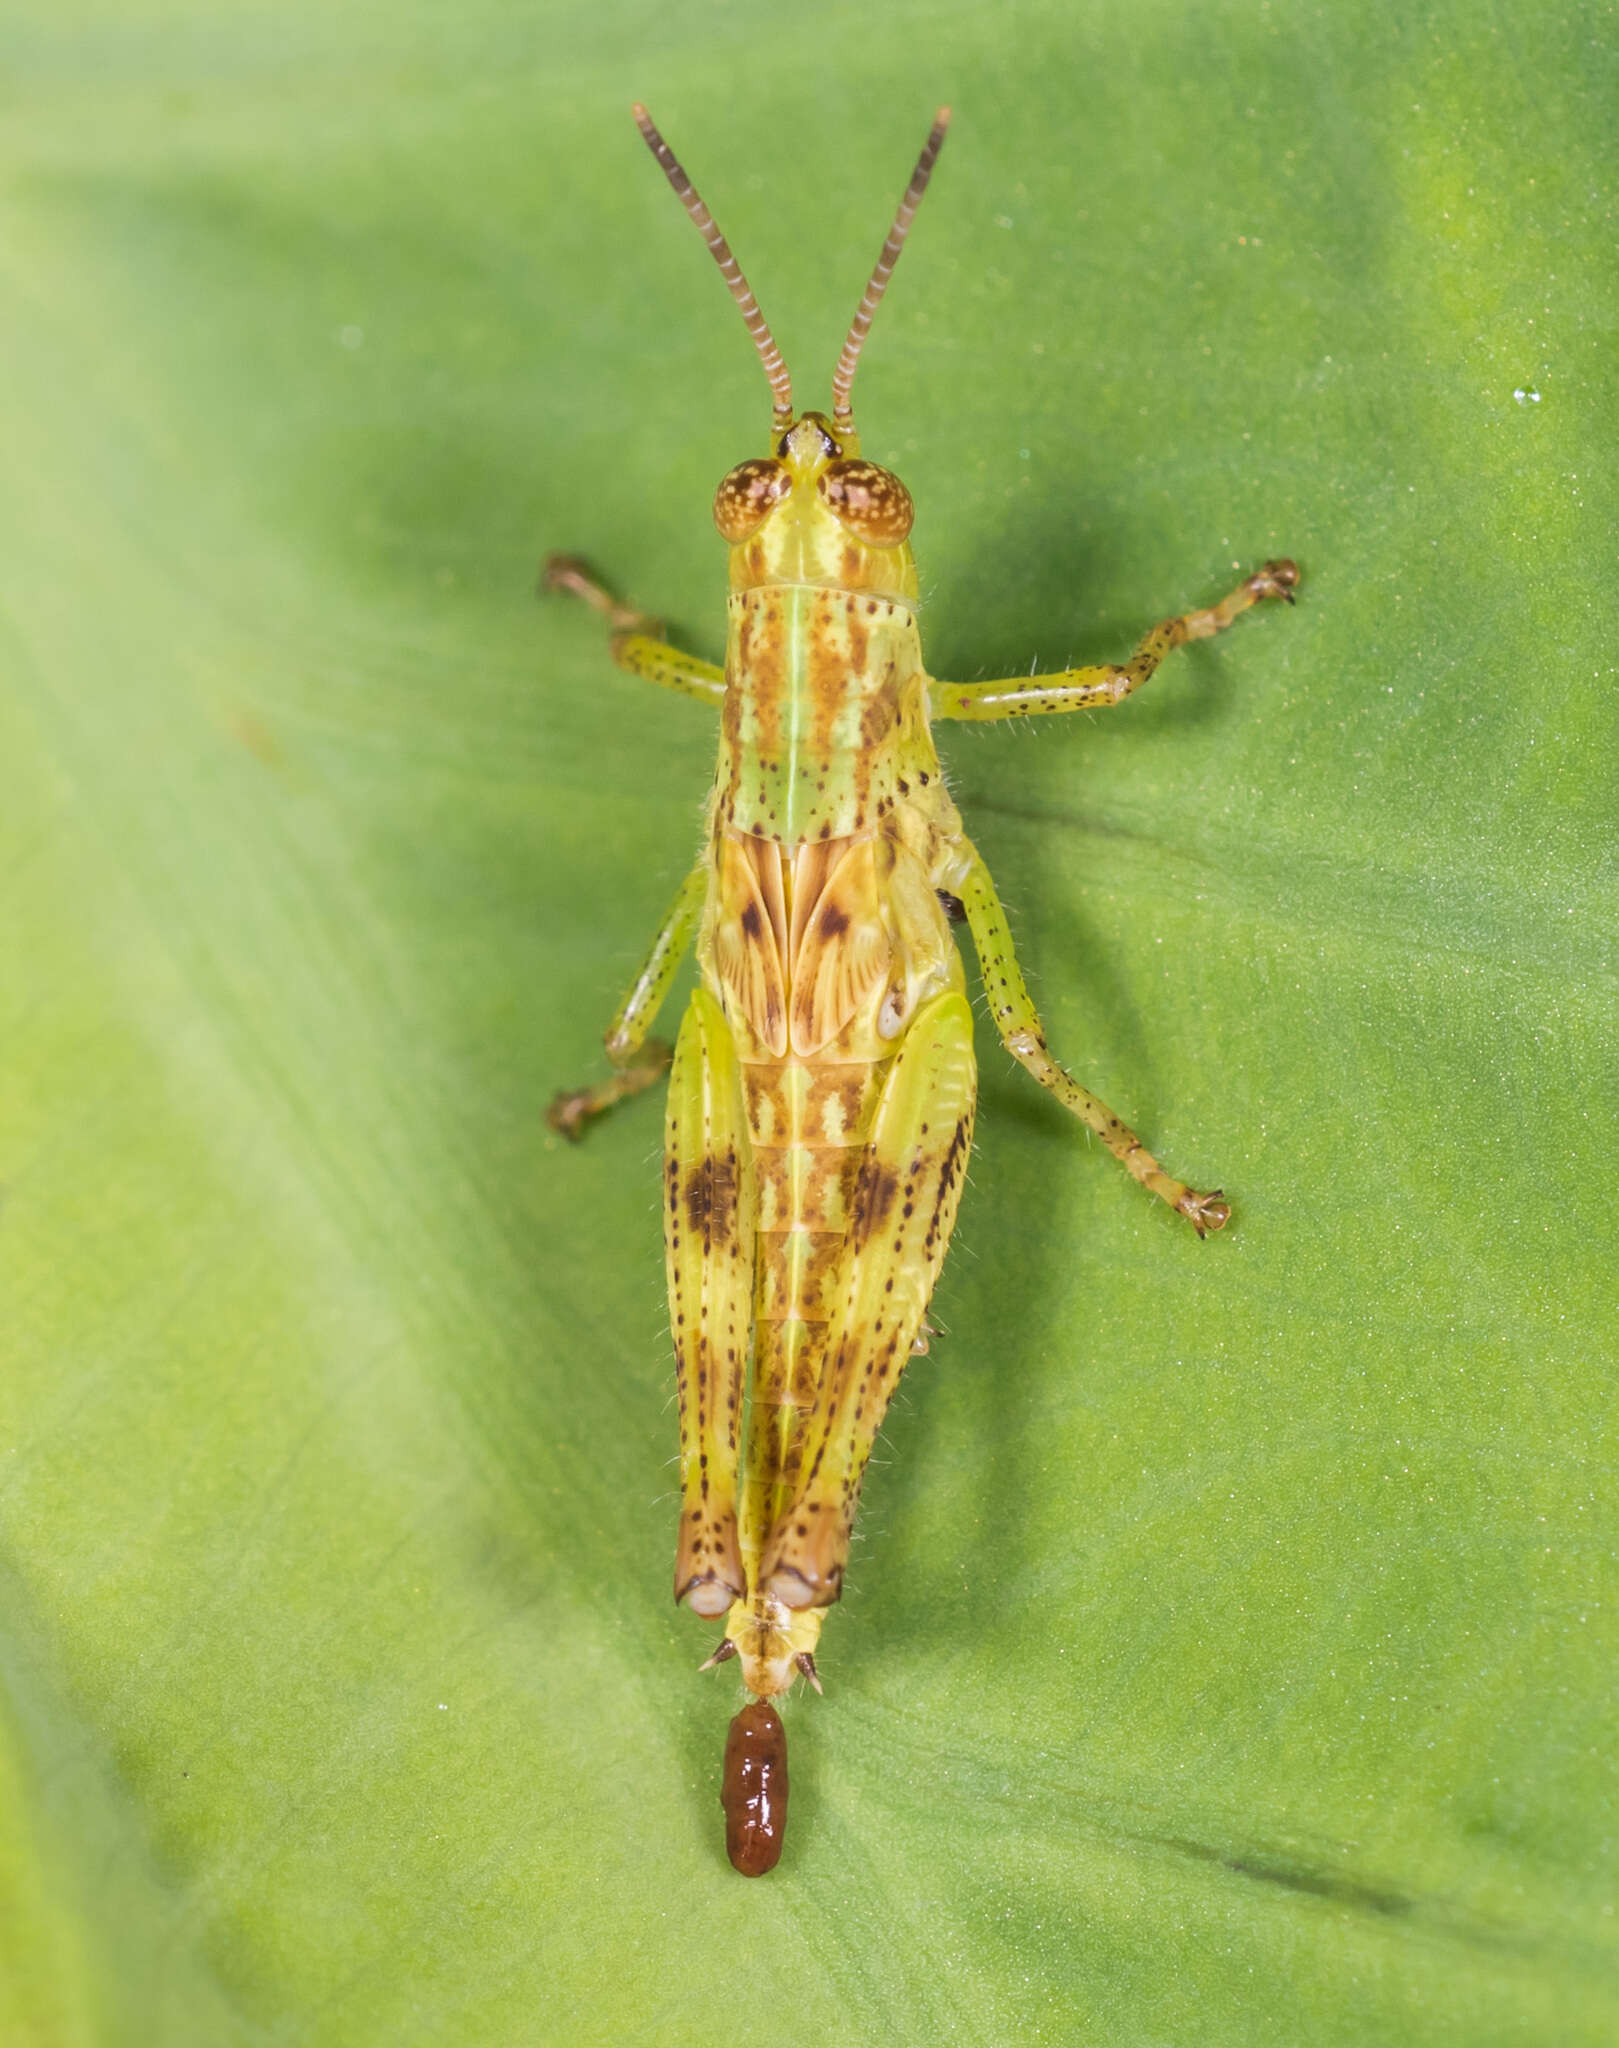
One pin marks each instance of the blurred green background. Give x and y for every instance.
(1230, 1646)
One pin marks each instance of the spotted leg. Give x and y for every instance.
(1088, 689)
(1018, 1023)
(637, 642)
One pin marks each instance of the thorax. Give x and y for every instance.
(824, 698)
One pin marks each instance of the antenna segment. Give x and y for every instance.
(771, 356)
(843, 376)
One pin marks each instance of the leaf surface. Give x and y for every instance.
(1229, 1647)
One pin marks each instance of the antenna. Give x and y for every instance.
(843, 376)
(775, 368)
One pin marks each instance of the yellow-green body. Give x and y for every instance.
(822, 1091)
(828, 964)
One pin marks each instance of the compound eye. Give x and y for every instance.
(745, 500)
(871, 503)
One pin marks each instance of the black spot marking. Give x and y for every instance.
(953, 1163)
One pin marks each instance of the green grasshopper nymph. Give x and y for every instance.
(821, 1093)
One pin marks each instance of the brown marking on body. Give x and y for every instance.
(730, 750)
(769, 872)
(856, 1096)
(875, 1195)
(772, 1284)
(811, 863)
(827, 1185)
(747, 950)
(774, 1177)
(797, 1272)
(820, 1275)
(879, 712)
(765, 676)
(760, 1098)
(711, 1197)
(843, 955)
(827, 670)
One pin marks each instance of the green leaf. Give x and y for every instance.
(1229, 1653)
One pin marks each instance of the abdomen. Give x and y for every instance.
(810, 1122)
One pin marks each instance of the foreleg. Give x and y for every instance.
(1086, 689)
(636, 642)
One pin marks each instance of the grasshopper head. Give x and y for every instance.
(817, 512)
(812, 511)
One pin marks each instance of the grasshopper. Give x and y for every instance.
(822, 1087)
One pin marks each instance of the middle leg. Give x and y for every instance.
(638, 1061)
(1018, 1023)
